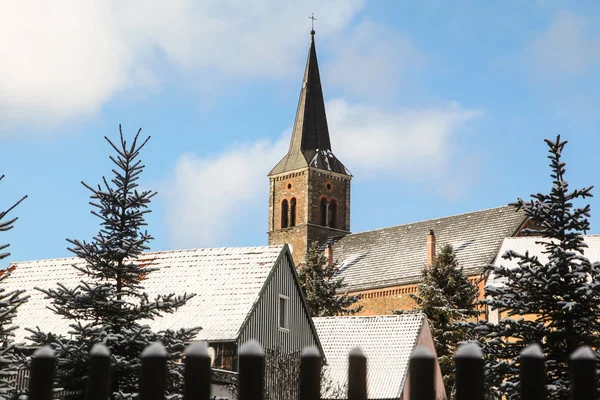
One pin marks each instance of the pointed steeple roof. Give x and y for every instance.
(310, 144)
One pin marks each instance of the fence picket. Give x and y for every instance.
(532, 374)
(251, 374)
(98, 381)
(153, 375)
(43, 364)
(583, 374)
(357, 375)
(197, 372)
(310, 374)
(469, 372)
(421, 374)
(251, 371)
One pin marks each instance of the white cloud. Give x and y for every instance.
(565, 49)
(373, 60)
(66, 58)
(411, 144)
(208, 198)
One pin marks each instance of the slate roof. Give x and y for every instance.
(386, 340)
(227, 283)
(528, 244)
(396, 255)
(310, 144)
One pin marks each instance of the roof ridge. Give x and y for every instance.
(430, 219)
(411, 313)
(150, 253)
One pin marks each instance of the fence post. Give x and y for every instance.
(357, 375)
(153, 375)
(421, 372)
(469, 372)
(42, 374)
(251, 371)
(310, 374)
(197, 372)
(98, 384)
(583, 374)
(532, 373)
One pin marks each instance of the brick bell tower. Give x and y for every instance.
(309, 193)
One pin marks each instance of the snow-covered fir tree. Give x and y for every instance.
(321, 286)
(110, 305)
(10, 355)
(446, 297)
(554, 303)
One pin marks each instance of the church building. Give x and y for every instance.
(309, 200)
(309, 191)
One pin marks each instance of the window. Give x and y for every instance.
(284, 214)
(323, 211)
(332, 213)
(293, 211)
(283, 312)
(224, 355)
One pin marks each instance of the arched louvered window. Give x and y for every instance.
(284, 214)
(332, 214)
(293, 211)
(323, 211)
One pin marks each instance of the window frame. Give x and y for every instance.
(286, 312)
(292, 205)
(285, 217)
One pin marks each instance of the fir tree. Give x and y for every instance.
(556, 303)
(446, 297)
(10, 356)
(109, 305)
(321, 286)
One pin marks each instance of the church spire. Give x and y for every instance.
(310, 144)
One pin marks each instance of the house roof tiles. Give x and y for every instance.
(386, 340)
(396, 255)
(227, 283)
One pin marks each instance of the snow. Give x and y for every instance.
(533, 351)
(100, 350)
(155, 350)
(469, 350)
(197, 349)
(385, 340)
(227, 282)
(251, 348)
(583, 353)
(422, 352)
(311, 351)
(44, 352)
(357, 352)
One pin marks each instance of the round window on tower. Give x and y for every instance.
(329, 186)
(289, 185)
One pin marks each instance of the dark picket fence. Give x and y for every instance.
(469, 374)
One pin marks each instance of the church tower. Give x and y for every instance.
(309, 193)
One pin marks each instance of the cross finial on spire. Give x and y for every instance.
(312, 17)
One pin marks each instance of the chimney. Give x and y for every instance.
(430, 247)
(329, 254)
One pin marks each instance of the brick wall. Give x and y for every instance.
(286, 187)
(307, 187)
(387, 300)
(322, 184)
(295, 237)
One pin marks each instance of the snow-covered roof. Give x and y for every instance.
(386, 340)
(528, 244)
(397, 255)
(227, 283)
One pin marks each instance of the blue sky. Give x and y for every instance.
(436, 108)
